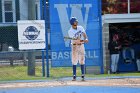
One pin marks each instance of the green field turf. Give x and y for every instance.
(8, 73)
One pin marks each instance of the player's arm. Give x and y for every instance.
(84, 35)
(85, 38)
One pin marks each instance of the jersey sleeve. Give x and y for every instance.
(82, 29)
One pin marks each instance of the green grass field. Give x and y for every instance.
(8, 73)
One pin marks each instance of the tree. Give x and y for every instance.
(114, 6)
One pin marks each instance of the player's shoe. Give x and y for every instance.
(74, 78)
(83, 78)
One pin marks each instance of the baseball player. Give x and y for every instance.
(77, 46)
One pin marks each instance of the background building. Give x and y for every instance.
(10, 12)
(121, 16)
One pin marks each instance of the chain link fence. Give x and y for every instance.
(14, 62)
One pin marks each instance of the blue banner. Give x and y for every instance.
(89, 15)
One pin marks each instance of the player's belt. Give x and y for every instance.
(77, 44)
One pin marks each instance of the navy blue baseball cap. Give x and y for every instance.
(72, 20)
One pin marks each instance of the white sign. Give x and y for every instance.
(31, 34)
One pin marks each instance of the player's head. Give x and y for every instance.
(74, 21)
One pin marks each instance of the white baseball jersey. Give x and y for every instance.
(76, 33)
(78, 51)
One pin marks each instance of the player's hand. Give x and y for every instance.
(86, 40)
(76, 41)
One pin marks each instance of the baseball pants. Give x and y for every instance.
(114, 60)
(78, 54)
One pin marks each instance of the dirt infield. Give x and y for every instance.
(125, 82)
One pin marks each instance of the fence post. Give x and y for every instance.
(31, 55)
(11, 61)
(46, 29)
(24, 59)
(31, 63)
(43, 64)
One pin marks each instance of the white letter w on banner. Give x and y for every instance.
(76, 10)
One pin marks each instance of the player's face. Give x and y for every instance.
(75, 25)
